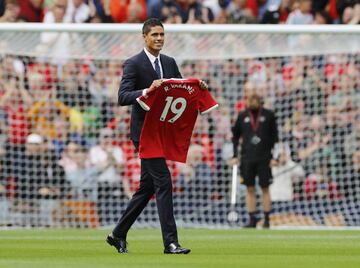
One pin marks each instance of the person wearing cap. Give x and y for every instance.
(256, 126)
(40, 180)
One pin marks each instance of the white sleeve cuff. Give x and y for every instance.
(144, 92)
(143, 104)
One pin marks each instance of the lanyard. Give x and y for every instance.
(255, 123)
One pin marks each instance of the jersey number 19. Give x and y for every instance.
(172, 104)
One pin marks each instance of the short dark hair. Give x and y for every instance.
(326, 16)
(148, 24)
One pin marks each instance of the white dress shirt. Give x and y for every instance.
(152, 59)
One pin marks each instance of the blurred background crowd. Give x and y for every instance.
(182, 11)
(65, 155)
(65, 148)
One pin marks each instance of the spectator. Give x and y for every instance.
(63, 134)
(110, 162)
(45, 112)
(231, 74)
(314, 88)
(12, 11)
(16, 103)
(31, 10)
(222, 146)
(341, 5)
(166, 11)
(352, 139)
(190, 11)
(222, 129)
(57, 12)
(286, 175)
(351, 15)
(194, 184)
(337, 128)
(302, 14)
(120, 124)
(239, 12)
(216, 6)
(77, 11)
(322, 17)
(92, 123)
(316, 149)
(201, 136)
(82, 178)
(320, 5)
(100, 88)
(74, 93)
(296, 127)
(36, 82)
(57, 44)
(48, 3)
(124, 11)
(198, 13)
(353, 176)
(40, 180)
(276, 13)
(318, 185)
(100, 11)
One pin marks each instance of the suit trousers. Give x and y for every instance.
(155, 179)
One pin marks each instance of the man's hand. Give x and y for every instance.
(203, 85)
(155, 84)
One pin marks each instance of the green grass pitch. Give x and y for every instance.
(210, 248)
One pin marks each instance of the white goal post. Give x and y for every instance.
(65, 156)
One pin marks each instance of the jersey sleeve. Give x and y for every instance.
(206, 102)
(146, 102)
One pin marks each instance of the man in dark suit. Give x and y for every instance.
(142, 74)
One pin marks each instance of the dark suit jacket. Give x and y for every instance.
(138, 74)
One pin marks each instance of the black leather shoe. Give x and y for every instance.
(252, 223)
(118, 243)
(176, 249)
(266, 224)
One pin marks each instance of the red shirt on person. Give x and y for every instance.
(31, 12)
(18, 124)
(173, 109)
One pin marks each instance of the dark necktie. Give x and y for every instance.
(157, 68)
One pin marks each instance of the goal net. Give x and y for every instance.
(66, 158)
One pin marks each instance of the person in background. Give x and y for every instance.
(77, 11)
(302, 14)
(11, 11)
(286, 173)
(41, 182)
(194, 183)
(110, 162)
(31, 10)
(276, 13)
(128, 11)
(257, 128)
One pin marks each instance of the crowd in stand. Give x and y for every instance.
(65, 154)
(63, 136)
(182, 11)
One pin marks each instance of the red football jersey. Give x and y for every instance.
(172, 112)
